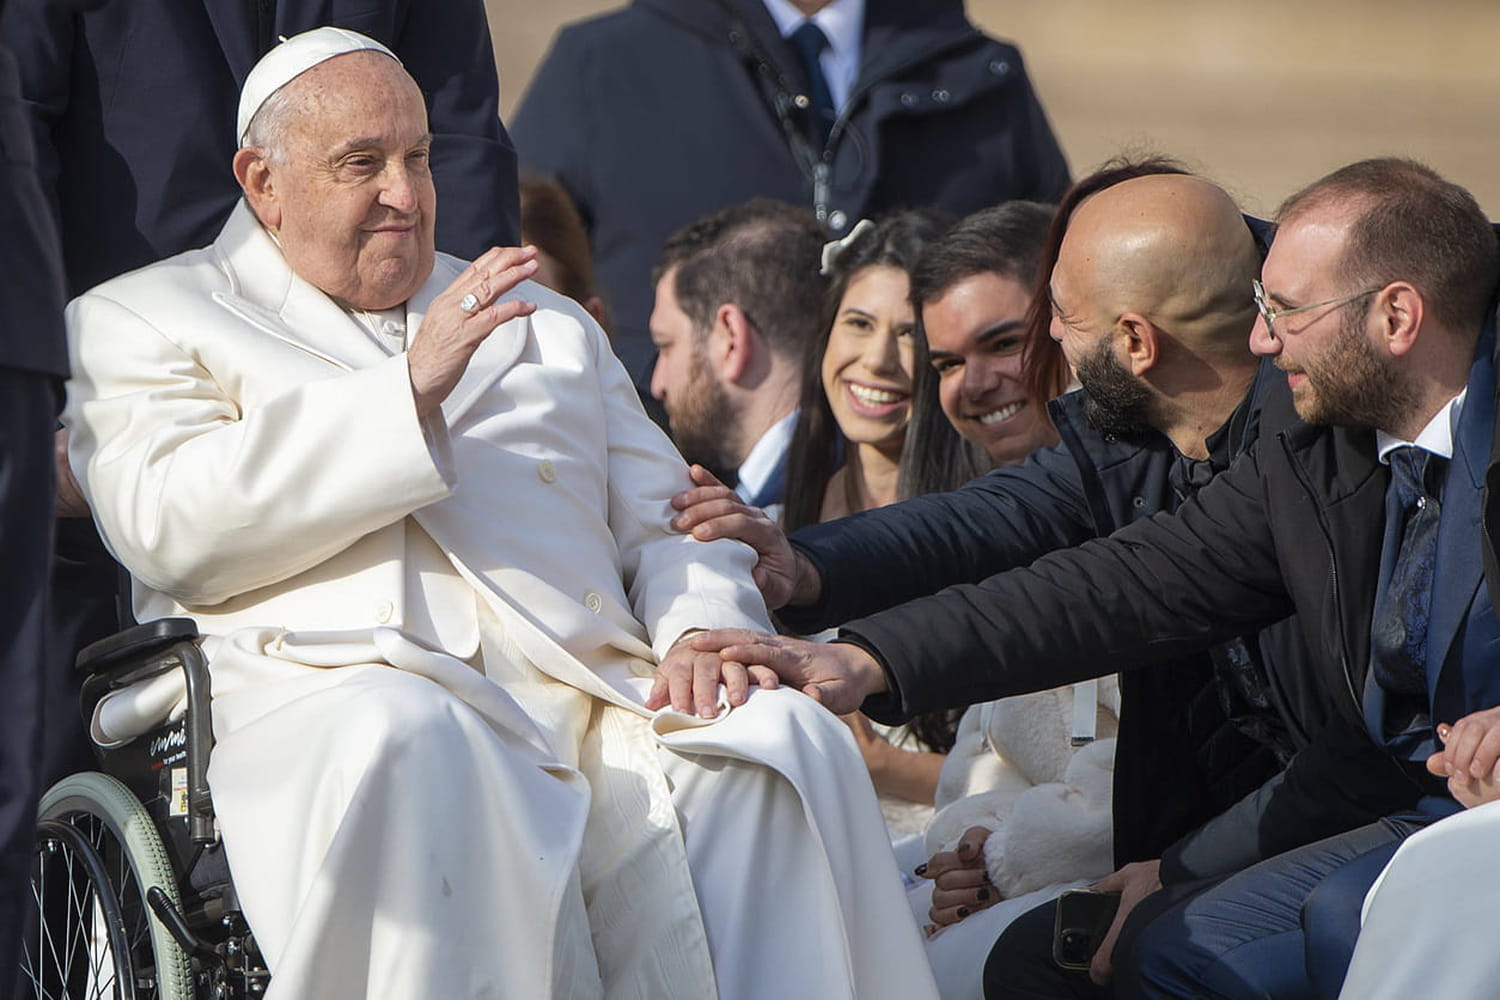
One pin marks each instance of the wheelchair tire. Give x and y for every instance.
(96, 839)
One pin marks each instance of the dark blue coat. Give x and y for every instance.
(133, 104)
(657, 114)
(1177, 765)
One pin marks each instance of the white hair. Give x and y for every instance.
(272, 121)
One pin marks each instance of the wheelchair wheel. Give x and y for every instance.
(97, 854)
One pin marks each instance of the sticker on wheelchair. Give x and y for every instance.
(178, 803)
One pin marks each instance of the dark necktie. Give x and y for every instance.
(809, 41)
(1398, 638)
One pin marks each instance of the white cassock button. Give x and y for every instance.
(545, 472)
(837, 220)
(593, 602)
(383, 611)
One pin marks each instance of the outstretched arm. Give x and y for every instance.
(1158, 588)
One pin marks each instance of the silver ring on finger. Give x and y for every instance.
(469, 302)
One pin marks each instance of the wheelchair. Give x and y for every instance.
(132, 894)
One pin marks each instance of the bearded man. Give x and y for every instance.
(1363, 520)
(1148, 292)
(421, 519)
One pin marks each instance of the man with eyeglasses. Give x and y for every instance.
(1150, 287)
(1377, 300)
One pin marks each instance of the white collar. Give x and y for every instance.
(1436, 437)
(843, 21)
(765, 456)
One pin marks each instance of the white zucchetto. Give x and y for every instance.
(289, 60)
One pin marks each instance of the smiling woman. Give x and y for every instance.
(857, 377)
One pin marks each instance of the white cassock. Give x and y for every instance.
(430, 644)
(1428, 921)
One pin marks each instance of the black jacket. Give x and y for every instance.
(1178, 764)
(31, 338)
(657, 114)
(1295, 524)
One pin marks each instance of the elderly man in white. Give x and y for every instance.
(423, 523)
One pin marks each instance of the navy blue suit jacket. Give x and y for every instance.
(1463, 636)
(132, 104)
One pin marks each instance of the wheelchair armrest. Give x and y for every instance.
(135, 644)
(144, 651)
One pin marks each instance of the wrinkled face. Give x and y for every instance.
(353, 205)
(698, 408)
(975, 341)
(1336, 373)
(867, 363)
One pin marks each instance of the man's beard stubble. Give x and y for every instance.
(1115, 402)
(1349, 385)
(701, 423)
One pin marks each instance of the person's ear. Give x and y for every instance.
(1400, 312)
(740, 342)
(595, 307)
(256, 177)
(1141, 342)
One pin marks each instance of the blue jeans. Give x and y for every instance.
(1281, 930)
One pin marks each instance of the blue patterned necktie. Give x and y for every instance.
(1398, 638)
(809, 41)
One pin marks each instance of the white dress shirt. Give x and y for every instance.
(758, 466)
(1436, 437)
(843, 21)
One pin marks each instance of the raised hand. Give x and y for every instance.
(451, 333)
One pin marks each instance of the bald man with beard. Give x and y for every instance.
(1151, 303)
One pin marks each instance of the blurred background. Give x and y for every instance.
(1261, 96)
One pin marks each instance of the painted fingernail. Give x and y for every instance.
(983, 894)
(920, 869)
(963, 911)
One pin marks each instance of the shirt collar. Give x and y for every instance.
(763, 458)
(842, 21)
(1436, 437)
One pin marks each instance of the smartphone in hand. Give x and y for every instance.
(1083, 918)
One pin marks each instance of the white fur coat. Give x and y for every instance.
(1015, 771)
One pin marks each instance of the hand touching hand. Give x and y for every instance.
(688, 679)
(961, 885)
(837, 674)
(1471, 747)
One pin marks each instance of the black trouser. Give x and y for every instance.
(1020, 965)
(28, 413)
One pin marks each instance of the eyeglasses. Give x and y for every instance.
(1270, 315)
